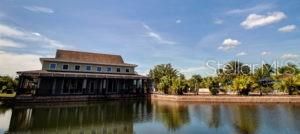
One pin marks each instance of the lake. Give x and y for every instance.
(156, 117)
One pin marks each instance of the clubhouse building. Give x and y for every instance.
(75, 73)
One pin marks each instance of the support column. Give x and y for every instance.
(84, 86)
(53, 86)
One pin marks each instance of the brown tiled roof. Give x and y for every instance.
(88, 57)
(84, 62)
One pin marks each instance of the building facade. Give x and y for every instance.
(82, 73)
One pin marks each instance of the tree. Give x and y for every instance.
(262, 77)
(165, 84)
(214, 87)
(231, 70)
(195, 82)
(289, 69)
(7, 82)
(288, 79)
(235, 68)
(178, 85)
(160, 71)
(242, 84)
(206, 82)
(290, 83)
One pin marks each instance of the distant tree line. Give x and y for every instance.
(234, 77)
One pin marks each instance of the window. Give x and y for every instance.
(127, 70)
(88, 68)
(52, 66)
(65, 67)
(118, 70)
(98, 69)
(77, 67)
(108, 69)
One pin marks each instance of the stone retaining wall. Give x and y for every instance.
(228, 99)
(79, 98)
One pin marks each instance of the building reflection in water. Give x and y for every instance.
(104, 117)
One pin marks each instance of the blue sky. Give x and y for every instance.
(186, 34)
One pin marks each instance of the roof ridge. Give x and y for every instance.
(78, 51)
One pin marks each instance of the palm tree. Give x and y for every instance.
(287, 84)
(262, 77)
(194, 82)
(235, 68)
(242, 84)
(178, 85)
(165, 84)
(163, 73)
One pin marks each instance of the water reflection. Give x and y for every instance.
(209, 114)
(142, 116)
(245, 119)
(5, 115)
(171, 114)
(104, 117)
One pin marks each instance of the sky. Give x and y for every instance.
(193, 35)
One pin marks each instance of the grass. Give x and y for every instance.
(4, 95)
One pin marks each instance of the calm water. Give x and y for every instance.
(151, 117)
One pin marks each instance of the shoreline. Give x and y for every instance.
(161, 97)
(227, 99)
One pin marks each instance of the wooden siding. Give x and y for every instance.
(46, 66)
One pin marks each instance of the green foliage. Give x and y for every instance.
(195, 82)
(263, 79)
(231, 70)
(162, 76)
(7, 82)
(289, 69)
(206, 82)
(168, 80)
(235, 68)
(165, 84)
(242, 84)
(162, 70)
(287, 84)
(178, 85)
(234, 76)
(214, 87)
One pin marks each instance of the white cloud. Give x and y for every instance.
(39, 9)
(9, 43)
(263, 53)
(156, 36)
(192, 69)
(255, 9)
(147, 27)
(18, 62)
(17, 36)
(256, 20)
(288, 28)
(241, 54)
(229, 44)
(204, 70)
(9, 31)
(289, 56)
(143, 72)
(218, 21)
(178, 21)
(36, 34)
